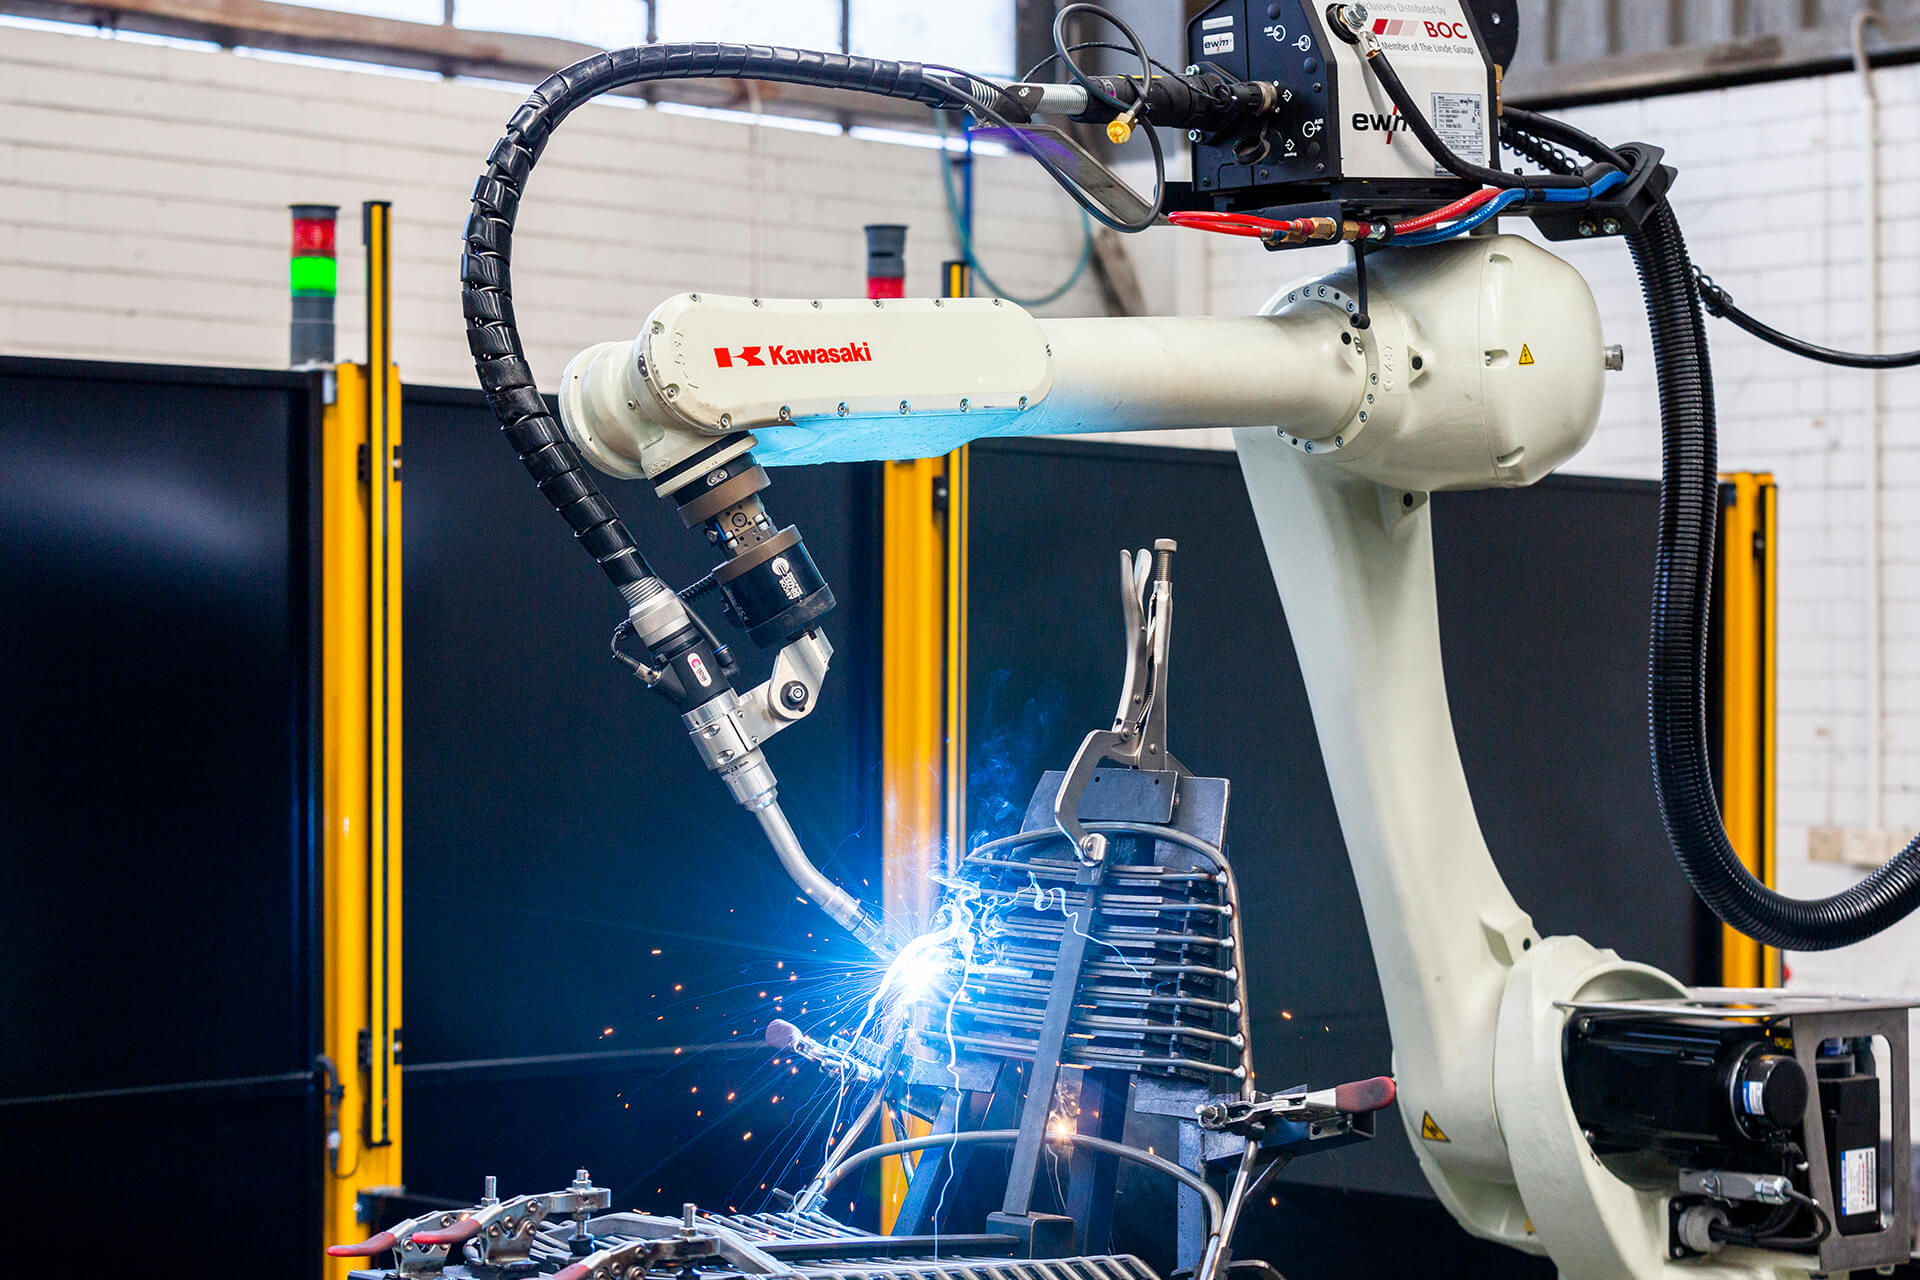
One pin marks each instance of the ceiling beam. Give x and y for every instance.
(449, 50)
(1707, 66)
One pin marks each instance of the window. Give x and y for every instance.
(799, 24)
(605, 24)
(976, 37)
(433, 11)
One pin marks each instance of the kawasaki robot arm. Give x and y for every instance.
(1431, 363)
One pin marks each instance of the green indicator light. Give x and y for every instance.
(313, 277)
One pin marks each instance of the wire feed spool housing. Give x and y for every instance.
(1336, 144)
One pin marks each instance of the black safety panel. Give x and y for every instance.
(157, 837)
(596, 935)
(1543, 603)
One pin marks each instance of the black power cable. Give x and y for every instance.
(1063, 50)
(1719, 303)
(1770, 1233)
(493, 334)
(1429, 137)
(1078, 45)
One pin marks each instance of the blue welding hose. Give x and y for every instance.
(963, 232)
(1506, 200)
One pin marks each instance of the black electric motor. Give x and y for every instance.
(1657, 1094)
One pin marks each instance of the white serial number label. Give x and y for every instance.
(1859, 1181)
(1461, 121)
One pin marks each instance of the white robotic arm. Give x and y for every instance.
(1481, 366)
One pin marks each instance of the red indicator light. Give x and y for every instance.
(312, 236)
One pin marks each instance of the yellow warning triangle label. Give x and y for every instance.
(1431, 1131)
(1526, 357)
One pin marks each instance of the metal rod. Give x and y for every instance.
(816, 1191)
(1215, 1209)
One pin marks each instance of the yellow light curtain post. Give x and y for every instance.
(361, 692)
(1746, 625)
(923, 699)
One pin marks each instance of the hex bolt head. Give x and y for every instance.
(794, 694)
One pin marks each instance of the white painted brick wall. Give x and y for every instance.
(143, 209)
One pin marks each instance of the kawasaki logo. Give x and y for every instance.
(759, 357)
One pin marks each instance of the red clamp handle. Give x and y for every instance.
(578, 1271)
(1359, 1096)
(366, 1248)
(463, 1230)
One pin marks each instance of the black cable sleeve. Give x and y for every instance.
(1676, 684)
(1566, 135)
(493, 336)
(1720, 304)
(1543, 153)
(1683, 578)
